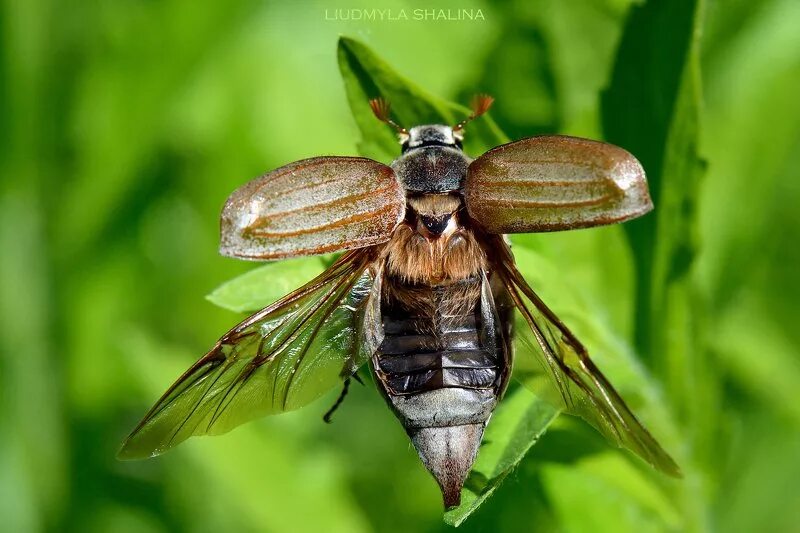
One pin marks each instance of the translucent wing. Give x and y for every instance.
(553, 183)
(313, 206)
(580, 388)
(279, 359)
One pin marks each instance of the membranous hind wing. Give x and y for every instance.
(566, 369)
(279, 359)
(553, 183)
(313, 206)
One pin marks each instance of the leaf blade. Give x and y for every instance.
(264, 285)
(367, 76)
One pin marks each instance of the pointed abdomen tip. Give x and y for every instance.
(448, 453)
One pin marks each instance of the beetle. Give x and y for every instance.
(425, 292)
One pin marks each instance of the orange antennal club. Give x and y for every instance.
(381, 108)
(480, 104)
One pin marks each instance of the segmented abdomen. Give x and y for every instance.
(432, 340)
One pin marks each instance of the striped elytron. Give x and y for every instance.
(426, 292)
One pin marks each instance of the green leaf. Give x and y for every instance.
(367, 76)
(519, 421)
(651, 109)
(264, 285)
(670, 308)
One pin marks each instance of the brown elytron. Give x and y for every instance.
(425, 293)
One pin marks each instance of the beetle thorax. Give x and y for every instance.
(432, 161)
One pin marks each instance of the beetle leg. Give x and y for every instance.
(327, 416)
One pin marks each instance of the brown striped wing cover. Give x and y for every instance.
(553, 183)
(313, 206)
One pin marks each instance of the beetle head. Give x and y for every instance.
(433, 134)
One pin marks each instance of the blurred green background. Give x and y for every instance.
(125, 124)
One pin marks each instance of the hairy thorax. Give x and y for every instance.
(414, 259)
(432, 272)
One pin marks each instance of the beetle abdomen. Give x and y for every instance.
(440, 372)
(452, 357)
